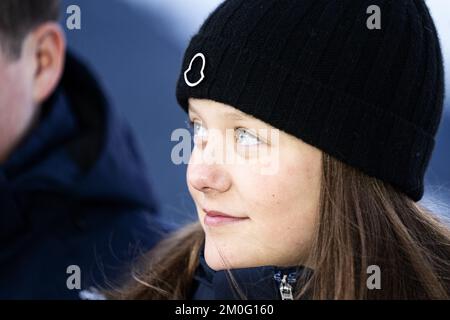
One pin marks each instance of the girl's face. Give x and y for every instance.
(256, 188)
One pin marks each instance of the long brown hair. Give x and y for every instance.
(362, 221)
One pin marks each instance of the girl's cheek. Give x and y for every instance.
(262, 193)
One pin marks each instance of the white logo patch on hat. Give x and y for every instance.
(202, 74)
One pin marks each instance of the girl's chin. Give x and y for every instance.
(227, 259)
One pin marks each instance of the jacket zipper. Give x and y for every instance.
(285, 282)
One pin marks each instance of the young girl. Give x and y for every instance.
(314, 123)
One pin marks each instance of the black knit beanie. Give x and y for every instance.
(372, 98)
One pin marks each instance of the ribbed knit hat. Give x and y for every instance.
(372, 98)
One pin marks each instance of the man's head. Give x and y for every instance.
(32, 48)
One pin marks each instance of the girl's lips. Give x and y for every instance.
(214, 219)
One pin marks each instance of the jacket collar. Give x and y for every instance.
(255, 283)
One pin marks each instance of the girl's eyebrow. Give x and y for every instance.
(233, 115)
(192, 109)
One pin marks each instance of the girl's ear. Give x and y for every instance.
(47, 46)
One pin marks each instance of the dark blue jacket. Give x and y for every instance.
(257, 283)
(74, 192)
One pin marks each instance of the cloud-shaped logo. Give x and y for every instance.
(202, 74)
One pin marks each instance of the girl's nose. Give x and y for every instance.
(207, 171)
(208, 178)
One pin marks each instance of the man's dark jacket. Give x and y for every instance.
(73, 196)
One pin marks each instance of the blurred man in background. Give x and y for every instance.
(75, 205)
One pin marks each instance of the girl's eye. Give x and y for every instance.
(246, 138)
(197, 129)
(243, 136)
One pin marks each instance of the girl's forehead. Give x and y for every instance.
(226, 111)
